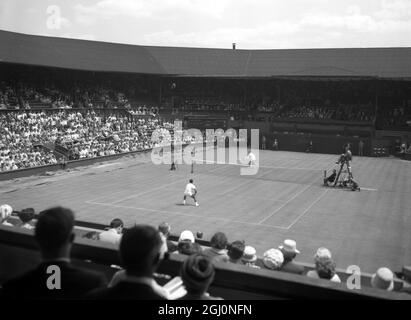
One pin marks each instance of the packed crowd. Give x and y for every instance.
(398, 117)
(344, 113)
(84, 134)
(26, 95)
(136, 280)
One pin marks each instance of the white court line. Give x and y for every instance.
(285, 203)
(308, 208)
(160, 187)
(184, 214)
(369, 189)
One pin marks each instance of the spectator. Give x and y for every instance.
(188, 248)
(250, 257)
(27, 215)
(218, 251)
(324, 266)
(113, 235)
(263, 143)
(235, 251)
(197, 274)
(360, 148)
(165, 229)
(275, 144)
(289, 250)
(5, 212)
(273, 259)
(54, 235)
(140, 255)
(383, 279)
(186, 235)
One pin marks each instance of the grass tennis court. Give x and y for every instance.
(285, 199)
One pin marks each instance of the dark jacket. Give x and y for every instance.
(75, 283)
(292, 267)
(125, 290)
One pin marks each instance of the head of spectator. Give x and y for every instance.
(383, 279)
(186, 235)
(165, 229)
(197, 273)
(54, 232)
(273, 259)
(322, 253)
(219, 241)
(5, 212)
(325, 267)
(140, 250)
(188, 248)
(117, 224)
(249, 257)
(235, 251)
(26, 215)
(289, 250)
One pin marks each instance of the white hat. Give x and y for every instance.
(187, 235)
(323, 253)
(383, 279)
(273, 259)
(249, 255)
(289, 246)
(5, 211)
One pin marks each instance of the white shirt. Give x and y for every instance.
(190, 189)
(111, 235)
(251, 156)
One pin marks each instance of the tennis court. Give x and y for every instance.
(285, 199)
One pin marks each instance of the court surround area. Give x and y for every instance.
(286, 199)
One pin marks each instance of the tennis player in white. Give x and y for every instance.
(190, 191)
(251, 159)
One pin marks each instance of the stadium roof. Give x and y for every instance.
(393, 63)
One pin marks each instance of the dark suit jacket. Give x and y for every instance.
(171, 246)
(292, 267)
(75, 283)
(125, 290)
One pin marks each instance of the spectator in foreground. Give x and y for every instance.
(197, 274)
(218, 251)
(235, 251)
(27, 215)
(54, 235)
(289, 250)
(165, 229)
(5, 212)
(383, 279)
(250, 257)
(324, 266)
(113, 235)
(140, 255)
(188, 248)
(186, 235)
(273, 259)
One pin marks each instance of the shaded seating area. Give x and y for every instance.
(18, 253)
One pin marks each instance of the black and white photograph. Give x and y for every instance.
(228, 151)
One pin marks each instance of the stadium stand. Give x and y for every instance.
(58, 112)
(232, 281)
